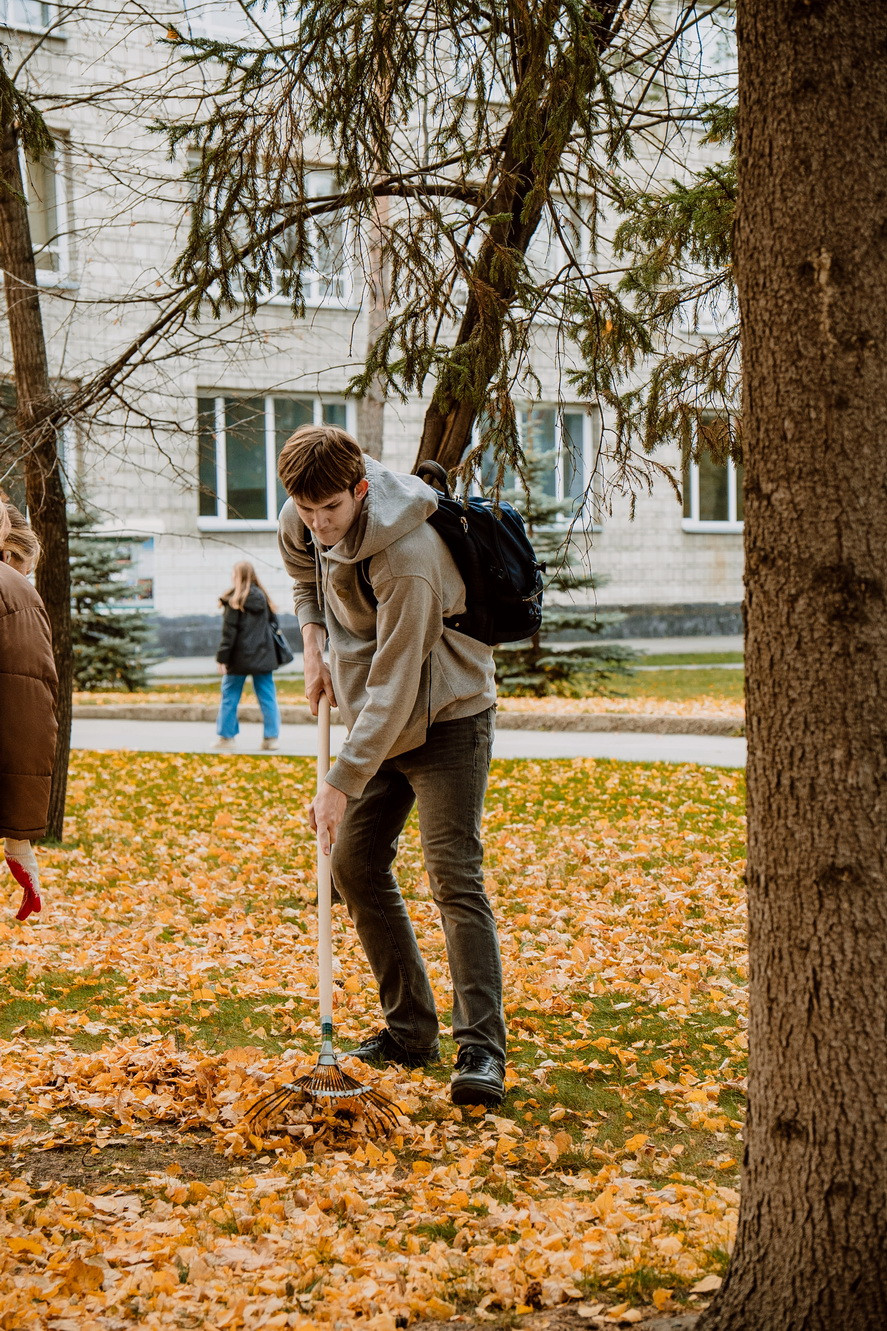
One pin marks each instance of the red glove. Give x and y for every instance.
(23, 866)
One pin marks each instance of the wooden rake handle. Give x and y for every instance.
(324, 882)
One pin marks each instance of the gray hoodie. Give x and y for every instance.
(395, 668)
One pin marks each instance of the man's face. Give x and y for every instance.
(331, 518)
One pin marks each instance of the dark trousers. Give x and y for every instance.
(447, 778)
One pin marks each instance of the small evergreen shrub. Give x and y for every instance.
(539, 668)
(111, 643)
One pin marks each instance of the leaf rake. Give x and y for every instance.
(327, 1083)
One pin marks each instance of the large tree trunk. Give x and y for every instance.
(811, 1251)
(38, 433)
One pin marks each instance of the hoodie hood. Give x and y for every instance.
(394, 505)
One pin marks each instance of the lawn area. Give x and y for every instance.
(173, 978)
(681, 685)
(691, 658)
(706, 691)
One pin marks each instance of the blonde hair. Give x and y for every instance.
(4, 524)
(18, 536)
(245, 577)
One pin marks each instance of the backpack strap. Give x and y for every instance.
(433, 474)
(363, 577)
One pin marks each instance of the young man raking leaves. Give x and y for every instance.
(373, 578)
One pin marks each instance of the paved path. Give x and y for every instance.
(199, 737)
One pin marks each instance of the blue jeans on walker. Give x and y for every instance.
(227, 724)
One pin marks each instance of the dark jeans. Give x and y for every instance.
(447, 777)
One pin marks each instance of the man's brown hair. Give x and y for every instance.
(319, 461)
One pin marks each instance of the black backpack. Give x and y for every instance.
(491, 550)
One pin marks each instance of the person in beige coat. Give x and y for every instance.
(27, 707)
(418, 699)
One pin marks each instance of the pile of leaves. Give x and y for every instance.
(173, 981)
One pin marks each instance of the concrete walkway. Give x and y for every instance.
(199, 737)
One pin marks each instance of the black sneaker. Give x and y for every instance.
(479, 1078)
(382, 1048)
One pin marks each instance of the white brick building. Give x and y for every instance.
(106, 211)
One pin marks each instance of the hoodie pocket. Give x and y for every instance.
(443, 687)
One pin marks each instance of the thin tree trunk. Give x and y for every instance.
(477, 353)
(38, 433)
(371, 407)
(528, 157)
(811, 1250)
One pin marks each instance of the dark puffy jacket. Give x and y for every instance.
(247, 646)
(27, 709)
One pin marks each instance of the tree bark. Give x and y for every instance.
(38, 433)
(371, 407)
(477, 352)
(532, 148)
(811, 1250)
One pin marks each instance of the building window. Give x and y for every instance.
(561, 246)
(134, 557)
(327, 276)
(238, 440)
(27, 14)
(12, 456)
(564, 443)
(713, 491)
(560, 249)
(329, 279)
(217, 20)
(47, 199)
(232, 21)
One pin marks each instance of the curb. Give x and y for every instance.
(654, 724)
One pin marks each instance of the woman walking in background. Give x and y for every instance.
(27, 706)
(249, 646)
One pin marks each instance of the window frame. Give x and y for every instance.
(590, 517)
(128, 539)
(7, 25)
(221, 522)
(317, 289)
(546, 255)
(713, 526)
(224, 20)
(318, 180)
(61, 245)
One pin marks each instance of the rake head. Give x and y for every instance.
(326, 1083)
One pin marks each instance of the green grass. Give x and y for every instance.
(683, 685)
(663, 683)
(541, 819)
(690, 658)
(26, 1000)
